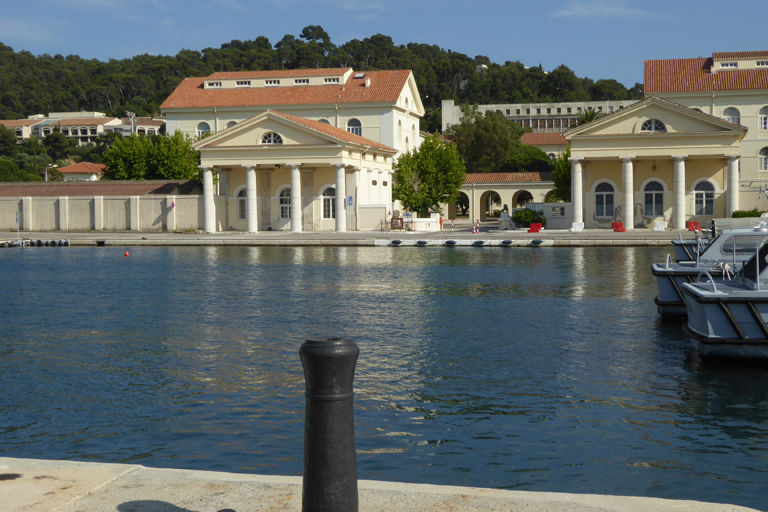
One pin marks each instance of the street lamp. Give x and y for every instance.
(46, 170)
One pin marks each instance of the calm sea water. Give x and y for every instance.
(532, 369)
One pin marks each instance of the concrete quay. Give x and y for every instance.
(28, 485)
(463, 236)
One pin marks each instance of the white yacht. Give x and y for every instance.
(728, 318)
(723, 256)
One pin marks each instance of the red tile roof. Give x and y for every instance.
(281, 73)
(739, 55)
(94, 188)
(20, 122)
(508, 177)
(333, 131)
(83, 168)
(689, 75)
(543, 139)
(386, 86)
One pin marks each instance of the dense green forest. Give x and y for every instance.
(32, 84)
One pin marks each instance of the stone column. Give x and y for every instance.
(379, 190)
(133, 221)
(628, 179)
(251, 200)
(295, 199)
(63, 213)
(733, 185)
(209, 207)
(388, 191)
(98, 213)
(577, 198)
(341, 197)
(26, 214)
(170, 216)
(678, 215)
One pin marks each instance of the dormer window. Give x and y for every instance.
(332, 80)
(271, 138)
(301, 81)
(243, 83)
(653, 125)
(214, 85)
(271, 82)
(762, 63)
(732, 65)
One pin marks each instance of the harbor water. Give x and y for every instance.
(541, 369)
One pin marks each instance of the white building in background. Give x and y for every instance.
(82, 127)
(299, 150)
(540, 117)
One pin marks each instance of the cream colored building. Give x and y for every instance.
(320, 139)
(282, 172)
(729, 85)
(672, 164)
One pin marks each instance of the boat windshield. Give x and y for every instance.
(744, 244)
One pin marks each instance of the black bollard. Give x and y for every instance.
(330, 467)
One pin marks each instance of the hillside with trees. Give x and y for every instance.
(32, 84)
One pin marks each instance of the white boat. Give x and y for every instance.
(728, 318)
(726, 253)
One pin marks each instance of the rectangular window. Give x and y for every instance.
(599, 109)
(508, 111)
(527, 111)
(763, 122)
(538, 111)
(600, 205)
(213, 85)
(243, 83)
(517, 111)
(549, 111)
(559, 110)
(610, 109)
(705, 203)
(762, 63)
(569, 110)
(729, 64)
(654, 204)
(332, 80)
(578, 109)
(301, 81)
(271, 82)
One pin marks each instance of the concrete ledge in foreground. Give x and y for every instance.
(28, 485)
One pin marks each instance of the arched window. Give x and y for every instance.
(203, 129)
(242, 205)
(762, 160)
(552, 157)
(763, 119)
(399, 131)
(604, 200)
(231, 124)
(653, 125)
(732, 114)
(704, 194)
(407, 145)
(285, 204)
(354, 126)
(654, 199)
(325, 121)
(406, 102)
(329, 203)
(413, 134)
(271, 138)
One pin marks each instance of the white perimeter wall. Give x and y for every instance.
(119, 213)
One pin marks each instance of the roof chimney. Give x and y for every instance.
(367, 82)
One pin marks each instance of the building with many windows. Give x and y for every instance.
(305, 150)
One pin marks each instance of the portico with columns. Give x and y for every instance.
(654, 162)
(281, 172)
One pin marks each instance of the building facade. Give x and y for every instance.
(298, 150)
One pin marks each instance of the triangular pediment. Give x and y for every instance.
(634, 121)
(251, 132)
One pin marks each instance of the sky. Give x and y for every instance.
(598, 39)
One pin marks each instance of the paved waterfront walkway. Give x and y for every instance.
(28, 485)
(461, 234)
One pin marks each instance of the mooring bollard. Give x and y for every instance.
(330, 467)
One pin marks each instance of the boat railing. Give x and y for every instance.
(709, 278)
(669, 258)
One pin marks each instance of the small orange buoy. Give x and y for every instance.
(126, 254)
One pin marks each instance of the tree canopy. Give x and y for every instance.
(32, 84)
(153, 157)
(561, 175)
(428, 176)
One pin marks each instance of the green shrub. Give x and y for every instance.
(527, 217)
(739, 214)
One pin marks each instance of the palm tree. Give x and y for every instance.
(587, 116)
